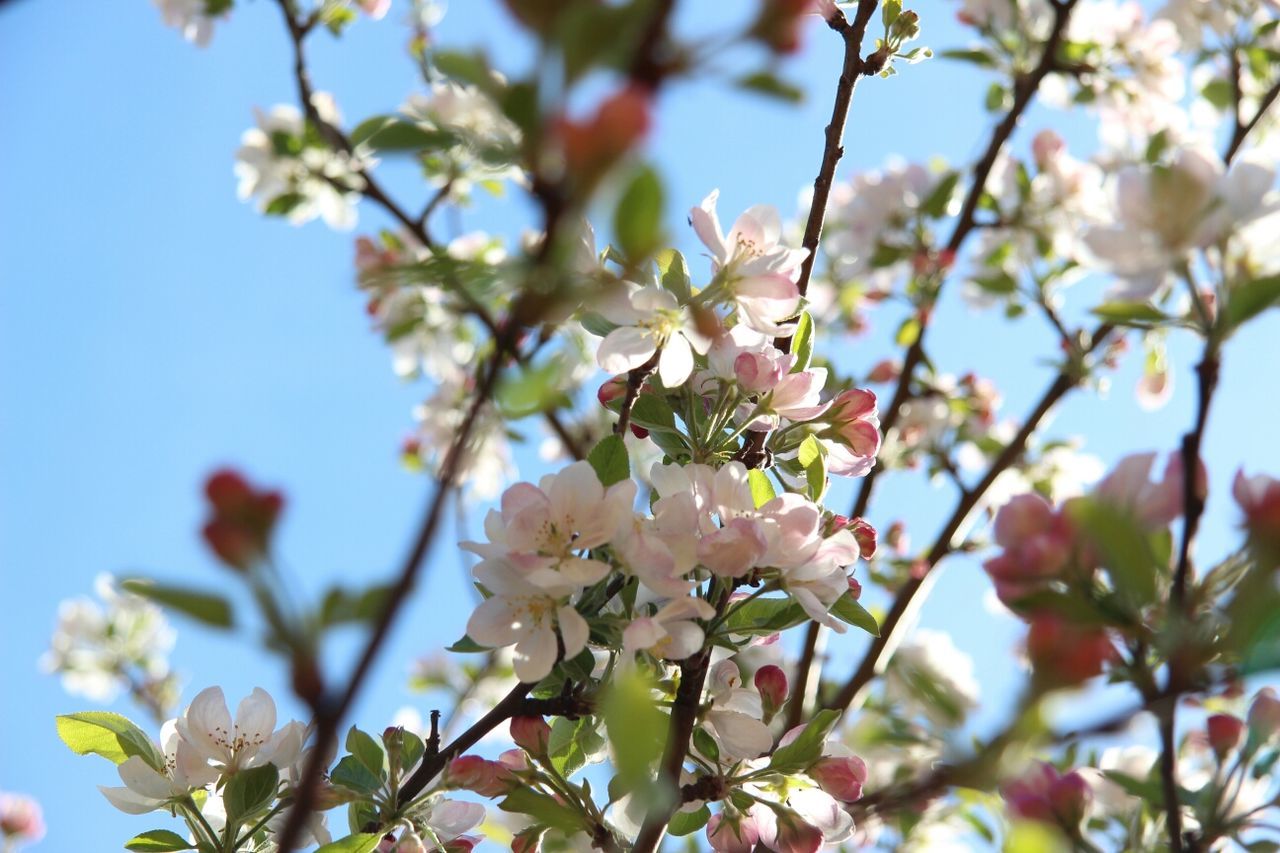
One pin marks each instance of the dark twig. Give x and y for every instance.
(635, 381)
(1242, 131)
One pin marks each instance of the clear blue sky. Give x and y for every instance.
(152, 327)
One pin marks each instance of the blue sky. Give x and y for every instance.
(152, 328)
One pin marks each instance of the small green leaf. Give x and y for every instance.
(761, 487)
(464, 67)
(653, 413)
(575, 743)
(764, 83)
(367, 751)
(813, 459)
(847, 609)
(802, 343)
(706, 744)
(364, 842)
(1125, 549)
(343, 606)
(112, 736)
(204, 607)
(908, 332)
(675, 274)
(1140, 315)
(638, 220)
(542, 808)
(807, 747)
(763, 616)
(687, 823)
(250, 790)
(610, 460)
(938, 201)
(978, 57)
(466, 646)
(351, 773)
(1247, 301)
(532, 389)
(158, 841)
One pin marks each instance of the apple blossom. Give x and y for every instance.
(249, 741)
(650, 321)
(189, 17)
(1064, 653)
(531, 734)
(1048, 796)
(753, 246)
(731, 831)
(840, 776)
(1259, 499)
(672, 633)
(486, 778)
(771, 684)
(147, 788)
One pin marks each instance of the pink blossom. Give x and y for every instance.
(1225, 732)
(734, 549)
(1066, 653)
(771, 683)
(21, 818)
(841, 777)
(753, 245)
(1047, 796)
(1129, 488)
(1259, 498)
(758, 371)
(484, 777)
(376, 9)
(1037, 546)
(532, 734)
(672, 633)
(1264, 714)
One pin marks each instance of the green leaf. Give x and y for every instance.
(1247, 301)
(653, 413)
(363, 842)
(978, 57)
(1140, 315)
(367, 751)
(204, 607)
(403, 136)
(542, 808)
(636, 726)
(813, 459)
(351, 773)
(250, 790)
(763, 616)
(807, 748)
(847, 609)
(532, 389)
(764, 83)
(706, 744)
(284, 204)
(112, 736)
(575, 743)
(675, 274)
(638, 220)
(907, 332)
(938, 201)
(409, 746)
(997, 97)
(465, 67)
(158, 841)
(687, 823)
(343, 606)
(1125, 549)
(802, 343)
(466, 646)
(761, 487)
(610, 460)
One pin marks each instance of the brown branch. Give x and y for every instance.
(873, 659)
(1242, 131)
(684, 714)
(635, 381)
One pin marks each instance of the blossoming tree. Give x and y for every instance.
(651, 639)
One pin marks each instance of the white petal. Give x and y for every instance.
(676, 362)
(625, 349)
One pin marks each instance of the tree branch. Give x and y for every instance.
(905, 602)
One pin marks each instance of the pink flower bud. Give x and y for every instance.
(794, 835)
(865, 534)
(841, 777)
(410, 842)
(896, 538)
(1225, 733)
(1264, 714)
(1065, 653)
(855, 588)
(21, 818)
(514, 759)
(484, 777)
(1069, 796)
(887, 370)
(756, 372)
(532, 734)
(732, 832)
(1259, 499)
(1047, 147)
(771, 682)
(612, 389)
(242, 518)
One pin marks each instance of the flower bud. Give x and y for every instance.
(1264, 714)
(21, 818)
(484, 777)
(1065, 654)
(532, 734)
(865, 535)
(1225, 733)
(795, 835)
(732, 832)
(592, 146)
(1259, 499)
(771, 682)
(841, 777)
(612, 389)
(896, 538)
(1069, 796)
(886, 370)
(239, 528)
(779, 22)
(756, 372)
